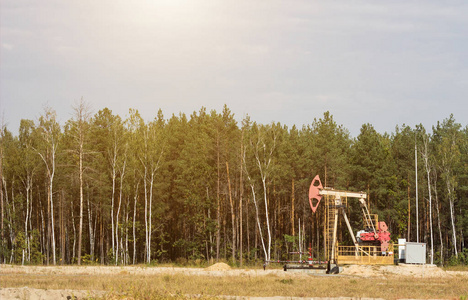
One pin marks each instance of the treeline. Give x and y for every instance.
(101, 189)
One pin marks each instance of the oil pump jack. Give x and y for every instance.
(371, 244)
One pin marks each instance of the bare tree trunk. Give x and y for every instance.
(263, 160)
(43, 232)
(9, 219)
(82, 114)
(462, 238)
(438, 222)
(91, 231)
(52, 213)
(52, 206)
(150, 217)
(50, 133)
(292, 206)
(146, 213)
(210, 252)
(74, 232)
(267, 218)
(248, 228)
(416, 187)
(233, 216)
(241, 186)
(409, 211)
(62, 229)
(218, 210)
(114, 253)
(28, 196)
(258, 223)
(101, 234)
(49, 226)
(224, 235)
(116, 256)
(13, 233)
(134, 223)
(256, 243)
(450, 191)
(94, 235)
(122, 174)
(30, 220)
(80, 229)
(425, 156)
(126, 232)
(206, 217)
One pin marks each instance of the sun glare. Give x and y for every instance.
(160, 11)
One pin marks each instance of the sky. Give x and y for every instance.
(386, 63)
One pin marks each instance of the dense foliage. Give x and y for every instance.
(101, 189)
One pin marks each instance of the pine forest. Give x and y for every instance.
(100, 189)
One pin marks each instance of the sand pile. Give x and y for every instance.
(219, 267)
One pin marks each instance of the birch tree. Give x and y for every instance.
(7, 163)
(122, 171)
(437, 205)
(449, 155)
(427, 165)
(50, 133)
(155, 150)
(150, 152)
(262, 143)
(112, 146)
(28, 168)
(79, 127)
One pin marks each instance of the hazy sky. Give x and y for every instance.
(379, 62)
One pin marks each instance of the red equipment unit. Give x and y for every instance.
(382, 236)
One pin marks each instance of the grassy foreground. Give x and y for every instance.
(122, 285)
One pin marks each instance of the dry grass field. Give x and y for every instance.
(102, 282)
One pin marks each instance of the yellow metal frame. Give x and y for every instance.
(360, 255)
(329, 224)
(365, 255)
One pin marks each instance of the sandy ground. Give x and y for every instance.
(415, 271)
(220, 269)
(40, 294)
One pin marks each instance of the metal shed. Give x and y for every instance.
(415, 253)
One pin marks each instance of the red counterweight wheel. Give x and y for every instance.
(314, 189)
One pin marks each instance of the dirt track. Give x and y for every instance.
(221, 269)
(425, 271)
